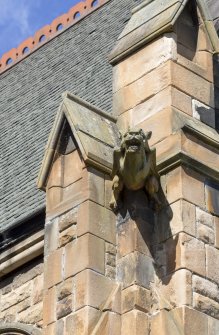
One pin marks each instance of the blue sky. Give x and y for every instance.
(20, 19)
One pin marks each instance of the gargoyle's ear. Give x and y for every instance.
(148, 135)
(120, 135)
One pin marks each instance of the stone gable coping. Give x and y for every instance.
(94, 131)
(48, 32)
(153, 18)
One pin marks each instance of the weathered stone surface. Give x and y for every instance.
(55, 177)
(175, 290)
(205, 234)
(212, 197)
(92, 289)
(92, 255)
(180, 184)
(206, 305)
(68, 235)
(93, 185)
(213, 326)
(136, 297)
(135, 268)
(205, 287)
(50, 329)
(82, 321)
(59, 329)
(53, 268)
(145, 60)
(132, 237)
(135, 323)
(72, 168)
(203, 113)
(16, 296)
(204, 218)
(51, 236)
(110, 272)
(110, 260)
(192, 84)
(143, 88)
(110, 248)
(32, 315)
(67, 220)
(49, 306)
(97, 220)
(179, 321)
(53, 197)
(176, 218)
(38, 289)
(64, 289)
(108, 324)
(108, 191)
(216, 229)
(185, 251)
(212, 263)
(64, 307)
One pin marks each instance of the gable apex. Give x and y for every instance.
(94, 131)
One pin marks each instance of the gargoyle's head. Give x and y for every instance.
(135, 140)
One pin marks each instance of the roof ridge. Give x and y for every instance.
(48, 32)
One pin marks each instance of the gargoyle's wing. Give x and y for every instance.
(153, 163)
(116, 158)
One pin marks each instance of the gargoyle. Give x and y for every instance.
(134, 167)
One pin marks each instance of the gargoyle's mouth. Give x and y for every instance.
(133, 145)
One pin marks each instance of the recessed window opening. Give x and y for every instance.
(9, 61)
(42, 38)
(77, 15)
(59, 27)
(25, 50)
(94, 3)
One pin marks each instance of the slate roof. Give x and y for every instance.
(30, 93)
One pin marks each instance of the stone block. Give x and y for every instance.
(55, 176)
(64, 307)
(213, 326)
(175, 290)
(92, 289)
(212, 197)
(206, 305)
(53, 197)
(93, 185)
(53, 268)
(183, 320)
(49, 306)
(32, 315)
(74, 193)
(68, 219)
(135, 323)
(14, 297)
(181, 101)
(82, 321)
(140, 90)
(51, 237)
(143, 61)
(205, 234)
(97, 220)
(110, 260)
(185, 251)
(109, 324)
(136, 297)
(50, 329)
(182, 182)
(110, 248)
(192, 84)
(72, 168)
(38, 283)
(110, 272)
(68, 235)
(205, 287)
(88, 251)
(212, 263)
(133, 237)
(65, 289)
(176, 218)
(135, 268)
(59, 327)
(216, 229)
(203, 113)
(108, 191)
(204, 218)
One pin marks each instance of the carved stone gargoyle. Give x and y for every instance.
(134, 167)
